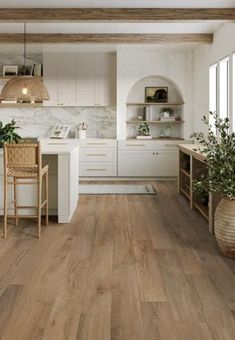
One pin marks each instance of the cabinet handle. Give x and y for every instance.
(96, 154)
(169, 145)
(96, 143)
(135, 144)
(96, 169)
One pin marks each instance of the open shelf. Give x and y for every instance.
(154, 122)
(203, 209)
(161, 104)
(185, 172)
(21, 105)
(185, 193)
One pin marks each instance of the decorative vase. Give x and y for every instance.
(225, 226)
(82, 134)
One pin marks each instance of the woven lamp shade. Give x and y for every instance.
(14, 87)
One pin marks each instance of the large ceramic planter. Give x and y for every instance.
(225, 226)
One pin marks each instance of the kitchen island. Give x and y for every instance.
(62, 157)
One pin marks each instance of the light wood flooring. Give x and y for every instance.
(127, 268)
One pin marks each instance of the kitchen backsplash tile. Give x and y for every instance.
(37, 122)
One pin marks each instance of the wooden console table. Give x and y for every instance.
(191, 166)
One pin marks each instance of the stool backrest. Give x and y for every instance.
(22, 155)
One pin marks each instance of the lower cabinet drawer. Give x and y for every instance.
(97, 169)
(97, 154)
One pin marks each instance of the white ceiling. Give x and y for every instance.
(116, 3)
(195, 27)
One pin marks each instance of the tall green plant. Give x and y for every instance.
(8, 134)
(219, 151)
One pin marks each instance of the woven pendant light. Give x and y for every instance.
(25, 88)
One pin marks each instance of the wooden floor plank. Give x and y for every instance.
(158, 320)
(94, 326)
(126, 321)
(150, 282)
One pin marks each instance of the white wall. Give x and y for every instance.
(136, 63)
(204, 56)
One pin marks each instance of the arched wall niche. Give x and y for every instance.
(137, 91)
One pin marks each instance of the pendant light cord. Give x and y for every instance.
(24, 48)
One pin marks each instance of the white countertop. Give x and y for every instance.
(56, 146)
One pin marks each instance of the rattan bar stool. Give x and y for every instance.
(23, 166)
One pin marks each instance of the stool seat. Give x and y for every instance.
(25, 172)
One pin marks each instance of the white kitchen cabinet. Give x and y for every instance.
(85, 80)
(136, 164)
(167, 164)
(104, 80)
(66, 80)
(50, 78)
(98, 158)
(80, 79)
(147, 158)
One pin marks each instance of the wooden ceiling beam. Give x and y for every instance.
(108, 38)
(115, 14)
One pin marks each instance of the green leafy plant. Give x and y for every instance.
(8, 134)
(219, 151)
(143, 129)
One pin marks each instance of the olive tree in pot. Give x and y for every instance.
(8, 134)
(219, 151)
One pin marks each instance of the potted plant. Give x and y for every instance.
(8, 134)
(143, 131)
(219, 151)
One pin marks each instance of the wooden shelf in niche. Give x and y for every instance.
(161, 104)
(154, 122)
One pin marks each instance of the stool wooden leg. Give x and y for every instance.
(46, 194)
(15, 202)
(39, 205)
(5, 209)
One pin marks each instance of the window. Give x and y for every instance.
(213, 93)
(224, 88)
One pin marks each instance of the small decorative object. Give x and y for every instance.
(8, 134)
(162, 134)
(167, 131)
(82, 130)
(167, 114)
(140, 118)
(156, 94)
(10, 70)
(220, 178)
(37, 70)
(143, 131)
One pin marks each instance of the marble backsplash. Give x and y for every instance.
(37, 122)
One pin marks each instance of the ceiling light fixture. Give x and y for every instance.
(25, 88)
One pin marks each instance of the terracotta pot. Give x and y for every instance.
(225, 226)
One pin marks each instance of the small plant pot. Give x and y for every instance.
(225, 226)
(82, 134)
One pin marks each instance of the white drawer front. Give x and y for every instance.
(102, 143)
(94, 154)
(98, 169)
(135, 145)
